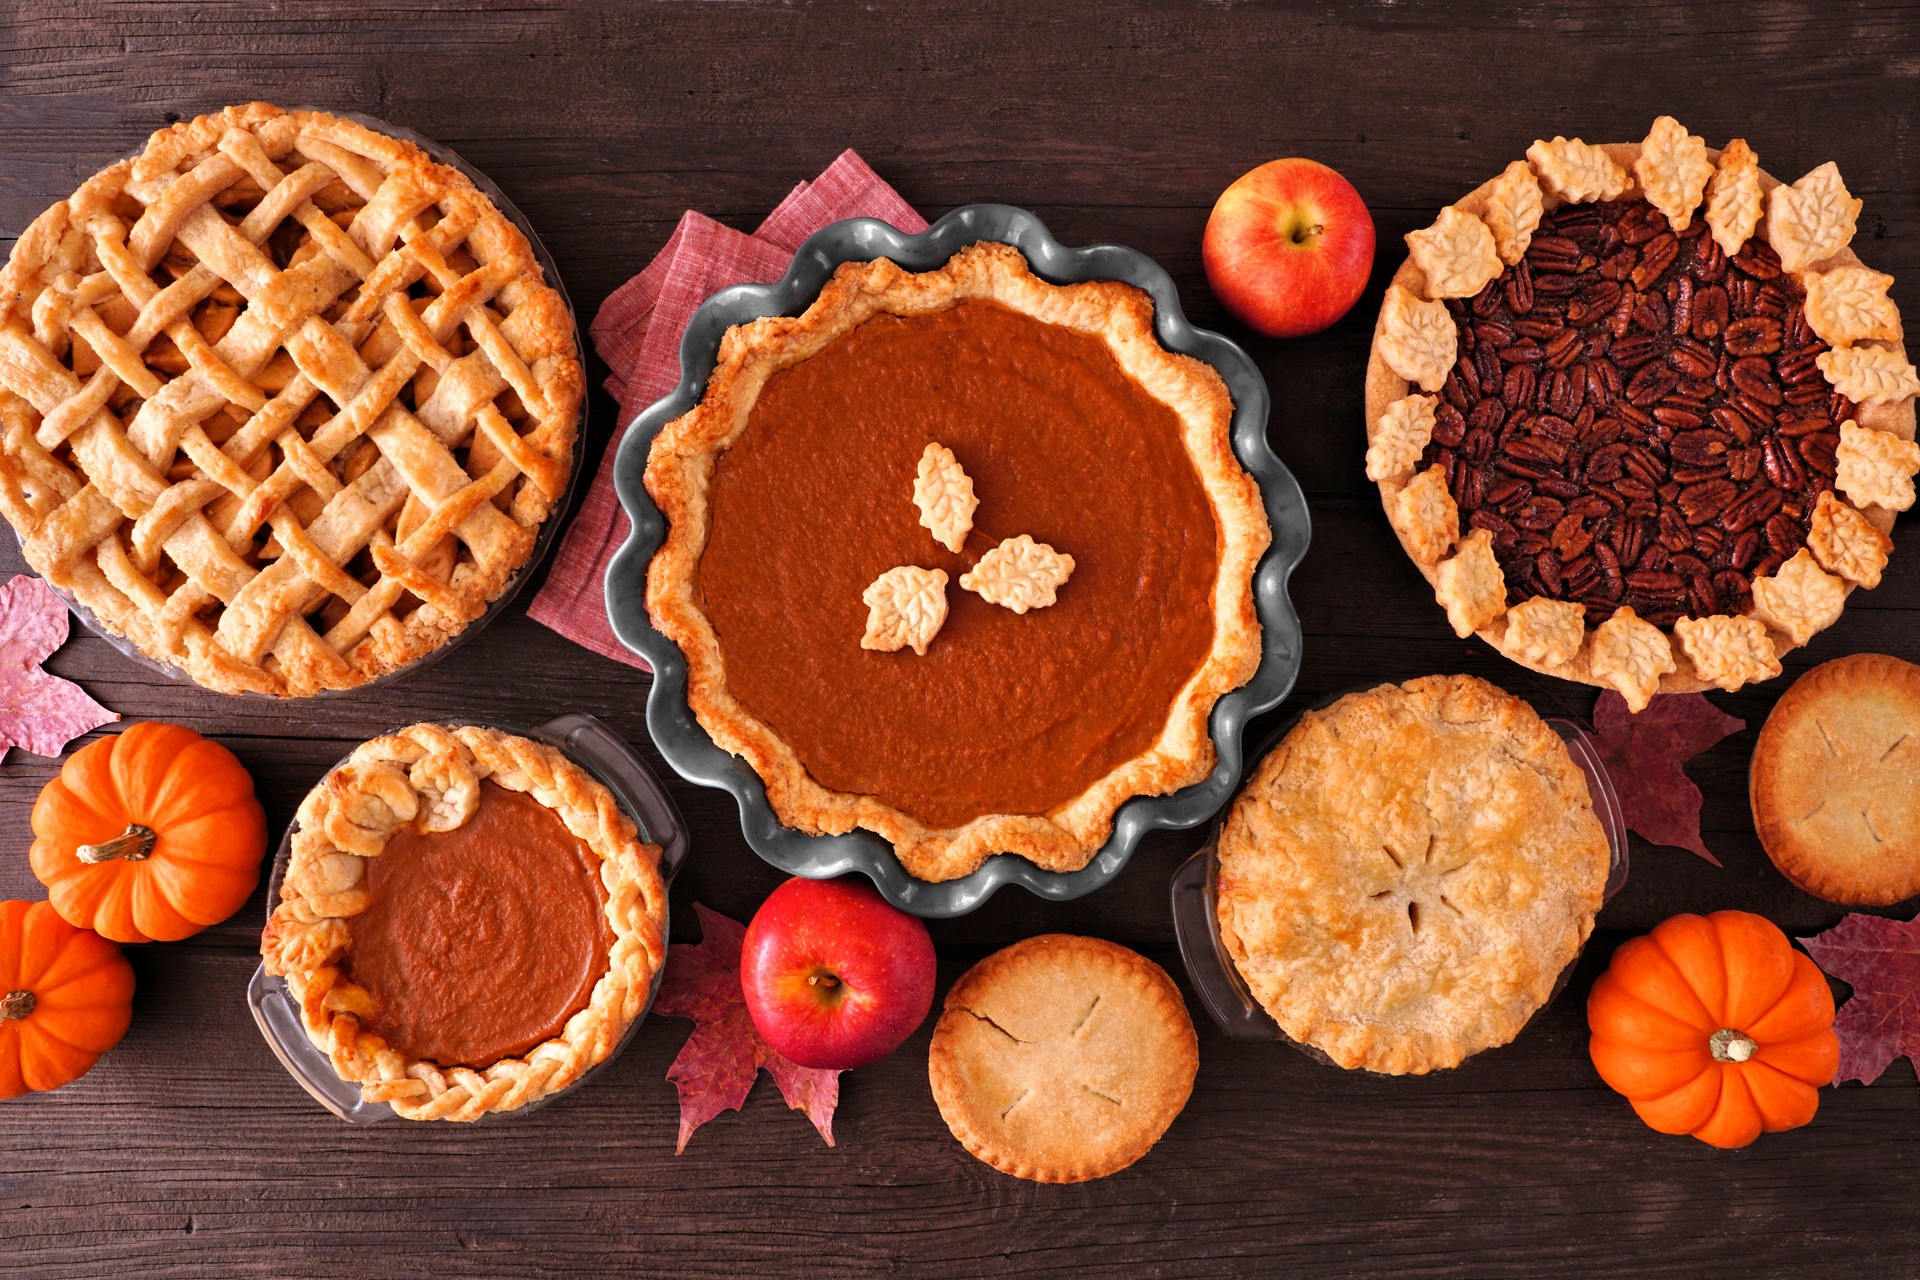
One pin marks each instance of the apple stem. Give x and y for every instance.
(826, 980)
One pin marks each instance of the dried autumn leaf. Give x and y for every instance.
(944, 493)
(906, 605)
(715, 1070)
(1880, 959)
(39, 712)
(1019, 574)
(1645, 753)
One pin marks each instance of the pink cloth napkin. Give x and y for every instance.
(637, 332)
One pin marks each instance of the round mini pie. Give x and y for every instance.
(1408, 874)
(468, 921)
(1062, 1058)
(284, 400)
(959, 557)
(1835, 781)
(1635, 442)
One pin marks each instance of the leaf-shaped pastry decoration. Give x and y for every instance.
(1673, 170)
(1456, 254)
(1514, 206)
(1417, 338)
(1850, 304)
(1578, 172)
(1728, 652)
(1400, 437)
(906, 606)
(1019, 574)
(1631, 654)
(1846, 543)
(1546, 632)
(1471, 587)
(1799, 599)
(944, 493)
(1869, 375)
(1875, 468)
(1813, 219)
(1733, 197)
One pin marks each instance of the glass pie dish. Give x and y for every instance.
(544, 537)
(1210, 968)
(587, 742)
(692, 751)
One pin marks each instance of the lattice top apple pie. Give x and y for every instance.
(283, 400)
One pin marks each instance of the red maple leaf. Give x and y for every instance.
(1880, 959)
(1644, 754)
(38, 711)
(716, 1068)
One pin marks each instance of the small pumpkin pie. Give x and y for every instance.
(468, 921)
(959, 557)
(1409, 872)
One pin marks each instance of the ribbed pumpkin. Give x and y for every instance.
(1715, 1026)
(66, 996)
(149, 835)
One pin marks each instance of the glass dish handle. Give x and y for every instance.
(1210, 970)
(620, 768)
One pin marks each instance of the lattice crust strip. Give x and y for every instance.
(282, 400)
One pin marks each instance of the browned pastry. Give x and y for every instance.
(1062, 1058)
(1409, 872)
(282, 400)
(1835, 782)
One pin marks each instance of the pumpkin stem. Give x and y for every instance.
(135, 844)
(1728, 1045)
(16, 1004)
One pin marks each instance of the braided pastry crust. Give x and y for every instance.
(430, 775)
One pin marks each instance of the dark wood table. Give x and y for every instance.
(189, 1152)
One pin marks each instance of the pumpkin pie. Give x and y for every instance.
(468, 921)
(1655, 389)
(283, 400)
(959, 557)
(1835, 782)
(1409, 873)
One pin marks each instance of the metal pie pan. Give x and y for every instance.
(694, 755)
(587, 742)
(544, 536)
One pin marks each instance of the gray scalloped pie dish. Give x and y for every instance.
(694, 755)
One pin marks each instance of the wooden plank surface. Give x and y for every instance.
(188, 1152)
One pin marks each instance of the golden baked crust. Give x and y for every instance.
(1384, 386)
(680, 466)
(431, 774)
(1409, 872)
(1835, 781)
(321, 443)
(1062, 1058)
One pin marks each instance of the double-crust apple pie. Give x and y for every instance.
(1640, 414)
(283, 401)
(959, 557)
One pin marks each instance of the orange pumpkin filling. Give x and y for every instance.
(479, 943)
(1005, 713)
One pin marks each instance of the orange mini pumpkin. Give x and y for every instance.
(66, 996)
(149, 835)
(1715, 1026)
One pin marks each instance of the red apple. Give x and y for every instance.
(1288, 247)
(834, 976)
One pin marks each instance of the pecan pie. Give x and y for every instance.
(284, 401)
(1408, 874)
(1004, 696)
(1634, 442)
(468, 921)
